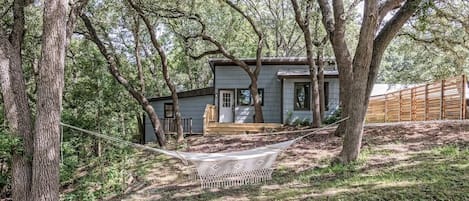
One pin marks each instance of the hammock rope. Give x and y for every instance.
(222, 169)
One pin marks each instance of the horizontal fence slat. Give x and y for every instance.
(438, 100)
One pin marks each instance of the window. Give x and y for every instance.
(168, 110)
(326, 95)
(301, 96)
(245, 99)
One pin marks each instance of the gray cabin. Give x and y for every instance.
(283, 83)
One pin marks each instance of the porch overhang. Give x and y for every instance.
(303, 73)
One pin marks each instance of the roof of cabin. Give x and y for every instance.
(265, 61)
(294, 73)
(187, 94)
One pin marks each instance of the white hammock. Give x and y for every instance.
(222, 169)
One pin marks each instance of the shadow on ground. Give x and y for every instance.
(428, 161)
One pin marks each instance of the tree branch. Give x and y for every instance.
(384, 37)
(113, 68)
(364, 50)
(206, 53)
(387, 6)
(259, 34)
(327, 20)
(75, 11)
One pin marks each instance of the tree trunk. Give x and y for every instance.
(258, 117)
(358, 74)
(140, 128)
(313, 71)
(165, 67)
(320, 64)
(20, 120)
(21, 163)
(46, 158)
(353, 131)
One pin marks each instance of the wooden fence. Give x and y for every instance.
(440, 100)
(170, 126)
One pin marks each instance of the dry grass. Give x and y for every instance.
(419, 161)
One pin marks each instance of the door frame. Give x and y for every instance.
(234, 101)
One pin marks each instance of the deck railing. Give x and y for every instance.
(437, 101)
(210, 116)
(169, 125)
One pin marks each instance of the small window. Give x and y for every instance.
(302, 98)
(245, 99)
(326, 95)
(168, 110)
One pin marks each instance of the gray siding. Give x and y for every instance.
(288, 97)
(191, 107)
(233, 77)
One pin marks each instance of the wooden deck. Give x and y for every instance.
(215, 128)
(212, 127)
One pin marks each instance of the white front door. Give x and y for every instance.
(226, 104)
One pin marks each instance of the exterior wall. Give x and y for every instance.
(233, 77)
(191, 107)
(290, 115)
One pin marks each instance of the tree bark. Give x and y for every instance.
(165, 67)
(320, 64)
(21, 164)
(46, 158)
(113, 69)
(20, 121)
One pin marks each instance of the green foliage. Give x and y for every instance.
(9, 144)
(301, 122)
(434, 47)
(334, 117)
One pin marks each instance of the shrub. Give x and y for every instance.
(334, 117)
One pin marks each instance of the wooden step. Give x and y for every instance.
(239, 128)
(246, 125)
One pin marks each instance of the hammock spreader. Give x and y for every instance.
(223, 169)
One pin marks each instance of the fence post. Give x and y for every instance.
(385, 108)
(400, 104)
(442, 100)
(412, 104)
(463, 97)
(426, 102)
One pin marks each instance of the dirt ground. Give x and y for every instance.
(168, 180)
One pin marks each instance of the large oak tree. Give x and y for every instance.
(35, 170)
(357, 72)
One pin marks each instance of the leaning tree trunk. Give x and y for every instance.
(164, 64)
(259, 116)
(46, 158)
(113, 69)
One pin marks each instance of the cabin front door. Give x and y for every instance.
(226, 105)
